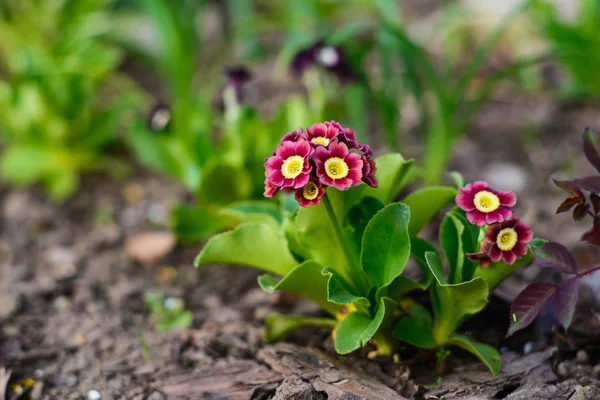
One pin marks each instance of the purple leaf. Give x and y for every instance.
(570, 187)
(595, 200)
(567, 204)
(593, 235)
(580, 211)
(528, 304)
(564, 301)
(590, 139)
(590, 183)
(555, 255)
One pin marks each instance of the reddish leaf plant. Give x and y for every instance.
(563, 296)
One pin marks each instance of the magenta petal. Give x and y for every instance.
(354, 161)
(285, 150)
(507, 199)
(506, 213)
(338, 149)
(465, 199)
(301, 180)
(476, 217)
(493, 217)
(492, 233)
(303, 148)
(276, 178)
(495, 253)
(520, 249)
(478, 186)
(509, 257)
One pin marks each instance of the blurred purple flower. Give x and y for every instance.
(236, 77)
(330, 58)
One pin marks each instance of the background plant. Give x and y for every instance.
(58, 109)
(574, 44)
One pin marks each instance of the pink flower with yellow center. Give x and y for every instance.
(508, 240)
(485, 205)
(337, 166)
(322, 134)
(290, 165)
(310, 194)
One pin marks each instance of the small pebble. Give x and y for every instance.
(563, 369)
(94, 395)
(156, 396)
(582, 357)
(596, 371)
(527, 348)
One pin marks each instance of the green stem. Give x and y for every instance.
(354, 271)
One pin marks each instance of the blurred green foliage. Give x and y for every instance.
(58, 104)
(63, 91)
(575, 44)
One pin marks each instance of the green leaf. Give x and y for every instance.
(393, 173)
(417, 329)
(425, 204)
(196, 223)
(418, 248)
(252, 209)
(487, 354)
(223, 183)
(278, 326)
(435, 267)
(356, 329)
(254, 244)
(386, 244)
(452, 304)
(458, 237)
(402, 286)
(306, 279)
(339, 292)
(359, 215)
(499, 271)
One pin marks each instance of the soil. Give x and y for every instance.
(73, 317)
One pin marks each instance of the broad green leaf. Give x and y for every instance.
(457, 238)
(197, 223)
(359, 215)
(356, 329)
(425, 204)
(223, 183)
(499, 271)
(487, 354)
(418, 248)
(393, 173)
(386, 244)
(417, 329)
(401, 286)
(254, 244)
(278, 326)
(339, 292)
(452, 304)
(315, 234)
(254, 208)
(434, 263)
(306, 279)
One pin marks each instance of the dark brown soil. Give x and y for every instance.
(73, 318)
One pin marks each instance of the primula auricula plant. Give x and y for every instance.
(346, 247)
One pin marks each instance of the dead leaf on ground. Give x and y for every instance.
(150, 247)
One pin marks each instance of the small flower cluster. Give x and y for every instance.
(326, 154)
(506, 237)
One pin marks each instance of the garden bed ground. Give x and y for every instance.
(72, 315)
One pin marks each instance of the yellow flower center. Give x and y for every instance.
(486, 201)
(320, 140)
(336, 168)
(292, 167)
(506, 239)
(310, 191)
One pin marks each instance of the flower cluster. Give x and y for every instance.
(307, 161)
(506, 237)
